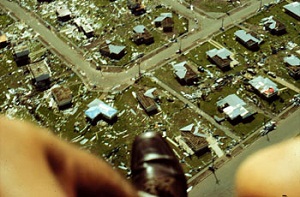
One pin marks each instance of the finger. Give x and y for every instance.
(52, 165)
(86, 174)
(23, 169)
(273, 171)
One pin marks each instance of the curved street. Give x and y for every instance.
(198, 32)
(105, 81)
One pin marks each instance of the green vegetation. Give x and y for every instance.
(214, 5)
(112, 140)
(5, 20)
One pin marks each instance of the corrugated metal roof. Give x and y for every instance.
(243, 35)
(162, 17)
(180, 69)
(139, 29)
(188, 127)
(292, 60)
(97, 107)
(149, 93)
(294, 8)
(115, 49)
(232, 100)
(222, 53)
(263, 84)
(236, 107)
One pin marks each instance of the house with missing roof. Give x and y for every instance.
(264, 87)
(220, 57)
(273, 25)
(142, 35)
(63, 13)
(192, 140)
(84, 26)
(99, 110)
(293, 66)
(293, 9)
(40, 74)
(235, 108)
(185, 74)
(249, 40)
(146, 99)
(21, 54)
(136, 7)
(112, 51)
(62, 96)
(165, 20)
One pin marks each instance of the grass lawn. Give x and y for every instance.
(213, 5)
(114, 22)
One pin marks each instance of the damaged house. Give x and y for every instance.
(165, 21)
(146, 99)
(62, 96)
(249, 40)
(185, 74)
(21, 54)
(273, 26)
(293, 9)
(112, 51)
(136, 7)
(83, 26)
(264, 86)
(293, 66)
(192, 141)
(235, 108)
(41, 74)
(100, 110)
(142, 35)
(63, 13)
(221, 57)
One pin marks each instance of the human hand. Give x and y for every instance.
(35, 163)
(273, 171)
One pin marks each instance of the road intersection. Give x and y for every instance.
(205, 27)
(105, 81)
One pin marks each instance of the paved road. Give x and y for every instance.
(287, 84)
(196, 109)
(106, 81)
(286, 129)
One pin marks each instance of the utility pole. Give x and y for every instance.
(179, 50)
(139, 64)
(212, 168)
(222, 26)
(260, 5)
